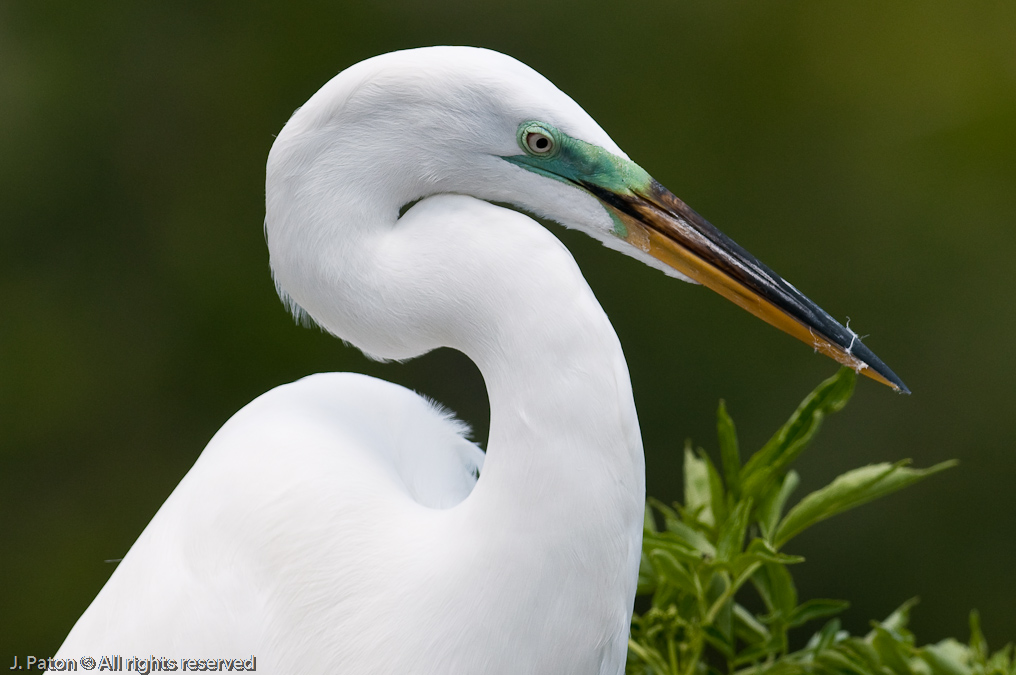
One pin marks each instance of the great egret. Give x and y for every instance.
(336, 524)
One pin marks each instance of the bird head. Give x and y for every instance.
(403, 126)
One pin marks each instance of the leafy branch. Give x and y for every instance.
(728, 535)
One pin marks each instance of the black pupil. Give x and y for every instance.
(542, 142)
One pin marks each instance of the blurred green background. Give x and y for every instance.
(865, 150)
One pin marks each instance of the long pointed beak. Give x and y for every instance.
(662, 225)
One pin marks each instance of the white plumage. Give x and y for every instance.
(330, 526)
(336, 524)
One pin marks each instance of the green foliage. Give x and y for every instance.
(726, 538)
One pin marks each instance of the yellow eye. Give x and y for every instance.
(539, 143)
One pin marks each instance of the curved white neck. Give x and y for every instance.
(557, 511)
(564, 439)
(562, 490)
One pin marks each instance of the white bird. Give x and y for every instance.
(336, 524)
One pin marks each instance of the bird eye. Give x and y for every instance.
(539, 143)
(538, 139)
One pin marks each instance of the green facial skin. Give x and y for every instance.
(576, 162)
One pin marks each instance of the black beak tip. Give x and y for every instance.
(862, 353)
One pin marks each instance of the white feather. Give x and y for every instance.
(336, 525)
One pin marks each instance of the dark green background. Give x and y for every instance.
(864, 150)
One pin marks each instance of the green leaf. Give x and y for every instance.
(647, 580)
(815, 609)
(649, 656)
(895, 653)
(693, 538)
(862, 654)
(697, 495)
(781, 667)
(724, 618)
(760, 550)
(898, 620)
(731, 537)
(849, 490)
(747, 628)
(771, 510)
(793, 437)
(669, 569)
(730, 456)
(837, 662)
(668, 513)
(948, 657)
(978, 645)
(676, 545)
(721, 642)
(774, 584)
(754, 653)
(648, 520)
(1001, 662)
(825, 638)
(718, 502)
